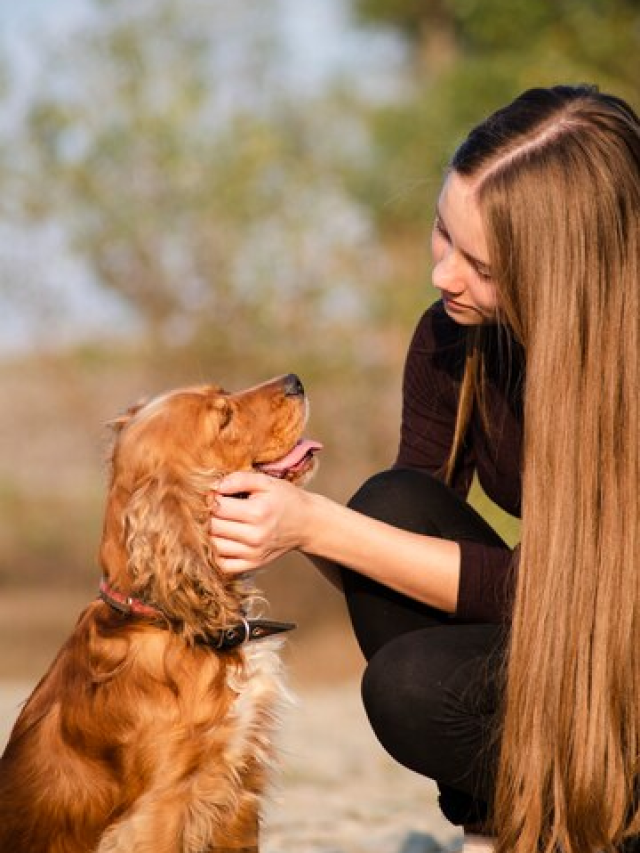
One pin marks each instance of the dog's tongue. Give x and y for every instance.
(303, 448)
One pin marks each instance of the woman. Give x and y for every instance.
(514, 682)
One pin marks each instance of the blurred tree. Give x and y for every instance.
(197, 201)
(469, 57)
(5, 88)
(597, 35)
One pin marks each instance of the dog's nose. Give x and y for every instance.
(293, 387)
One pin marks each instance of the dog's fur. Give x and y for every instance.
(141, 738)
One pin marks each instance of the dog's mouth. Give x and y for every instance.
(295, 463)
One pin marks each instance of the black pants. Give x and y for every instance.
(431, 688)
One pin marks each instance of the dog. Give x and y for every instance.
(152, 732)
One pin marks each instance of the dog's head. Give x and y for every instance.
(168, 454)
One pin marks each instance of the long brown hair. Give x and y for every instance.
(557, 178)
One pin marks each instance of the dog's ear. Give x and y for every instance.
(118, 423)
(170, 557)
(223, 409)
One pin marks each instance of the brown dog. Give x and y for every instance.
(152, 730)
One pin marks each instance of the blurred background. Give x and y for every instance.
(226, 190)
(215, 190)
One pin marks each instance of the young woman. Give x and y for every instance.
(513, 680)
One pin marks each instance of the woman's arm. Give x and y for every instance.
(277, 517)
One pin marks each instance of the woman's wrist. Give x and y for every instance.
(311, 505)
(423, 567)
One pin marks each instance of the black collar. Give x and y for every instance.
(223, 639)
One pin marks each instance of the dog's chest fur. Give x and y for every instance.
(235, 757)
(249, 750)
(261, 695)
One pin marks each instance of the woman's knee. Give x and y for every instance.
(419, 502)
(429, 696)
(408, 706)
(400, 497)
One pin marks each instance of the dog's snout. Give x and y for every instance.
(293, 387)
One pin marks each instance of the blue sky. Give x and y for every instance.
(322, 43)
(24, 22)
(34, 12)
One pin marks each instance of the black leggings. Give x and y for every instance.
(431, 688)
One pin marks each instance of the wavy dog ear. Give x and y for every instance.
(170, 558)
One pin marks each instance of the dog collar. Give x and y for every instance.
(125, 603)
(225, 638)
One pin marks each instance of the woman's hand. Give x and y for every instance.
(251, 531)
(277, 517)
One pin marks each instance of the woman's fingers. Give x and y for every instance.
(230, 529)
(243, 482)
(232, 543)
(235, 525)
(236, 565)
(235, 557)
(232, 497)
(252, 520)
(232, 509)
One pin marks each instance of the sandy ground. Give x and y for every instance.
(338, 791)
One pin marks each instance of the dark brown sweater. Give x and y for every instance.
(432, 377)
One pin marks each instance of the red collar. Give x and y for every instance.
(125, 603)
(223, 639)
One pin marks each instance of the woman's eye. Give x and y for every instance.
(485, 275)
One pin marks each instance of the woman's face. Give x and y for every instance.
(461, 269)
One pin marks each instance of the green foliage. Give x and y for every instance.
(409, 16)
(494, 50)
(586, 26)
(5, 149)
(128, 158)
(209, 210)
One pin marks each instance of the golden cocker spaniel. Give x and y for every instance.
(152, 730)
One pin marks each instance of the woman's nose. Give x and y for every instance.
(447, 275)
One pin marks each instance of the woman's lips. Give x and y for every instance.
(453, 304)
